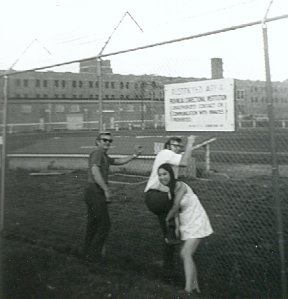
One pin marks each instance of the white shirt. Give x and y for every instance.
(164, 156)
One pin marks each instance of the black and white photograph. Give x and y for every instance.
(144, 149)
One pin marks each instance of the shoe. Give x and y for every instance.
(183, 294)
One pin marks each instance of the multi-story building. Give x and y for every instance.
(53, 100)
(252, 101)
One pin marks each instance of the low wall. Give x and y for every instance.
(40, 162)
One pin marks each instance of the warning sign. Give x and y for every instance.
(200, 106)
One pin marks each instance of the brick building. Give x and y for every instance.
(54, 100)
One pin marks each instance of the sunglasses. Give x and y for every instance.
(107, 140)
(178, 145)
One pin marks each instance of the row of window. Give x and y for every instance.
(263, 88)
(80, 96)
(76, 84)
(265, 100)
(241, 93)
(75, 108)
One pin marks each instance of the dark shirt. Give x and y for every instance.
(100, 158)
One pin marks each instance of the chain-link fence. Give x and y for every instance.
(243, 186)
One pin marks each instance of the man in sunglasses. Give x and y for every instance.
(156, 195)
(97, 195)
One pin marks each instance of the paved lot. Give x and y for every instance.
(79, 144)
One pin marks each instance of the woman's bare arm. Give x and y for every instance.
(180, 191)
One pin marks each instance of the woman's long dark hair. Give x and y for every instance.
(173, 180)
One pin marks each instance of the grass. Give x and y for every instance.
(45, 219)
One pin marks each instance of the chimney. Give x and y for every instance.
(216, 68)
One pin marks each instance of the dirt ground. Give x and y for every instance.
(45, 219)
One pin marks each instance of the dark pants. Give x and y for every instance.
(159, 204)
(98, 221)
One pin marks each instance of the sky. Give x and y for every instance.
(36, 33)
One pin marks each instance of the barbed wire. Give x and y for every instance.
(227, 29)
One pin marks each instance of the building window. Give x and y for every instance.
(26, 108)
(56, 96)
(75, 108)
(18, 82)
(121, 97)
(63, 83)
(56, 83)
(80, 84)
(107, 96)
(239, 94)
(121, 85)
(106, 84)
(90, 84)
(130, 108)
(74, 84)
(136, 85)
(25, 82)
(113, 85)
(127, 97)
(91, 96)
(112, 97)
(63, 95)
(127, 85)
(97, 84)
(45, 83)
(59, 108)
(37, 83)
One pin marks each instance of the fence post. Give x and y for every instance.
(274, 162)
(207, 157)
(3, 154)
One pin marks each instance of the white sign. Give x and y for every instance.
(200, 106)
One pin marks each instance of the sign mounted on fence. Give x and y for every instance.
(200, 106)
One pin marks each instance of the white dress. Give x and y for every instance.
(194, 222)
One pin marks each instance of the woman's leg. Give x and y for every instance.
(188, 249)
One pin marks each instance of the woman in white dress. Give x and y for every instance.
(193, 224)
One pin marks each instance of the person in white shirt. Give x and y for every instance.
(156, 195)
